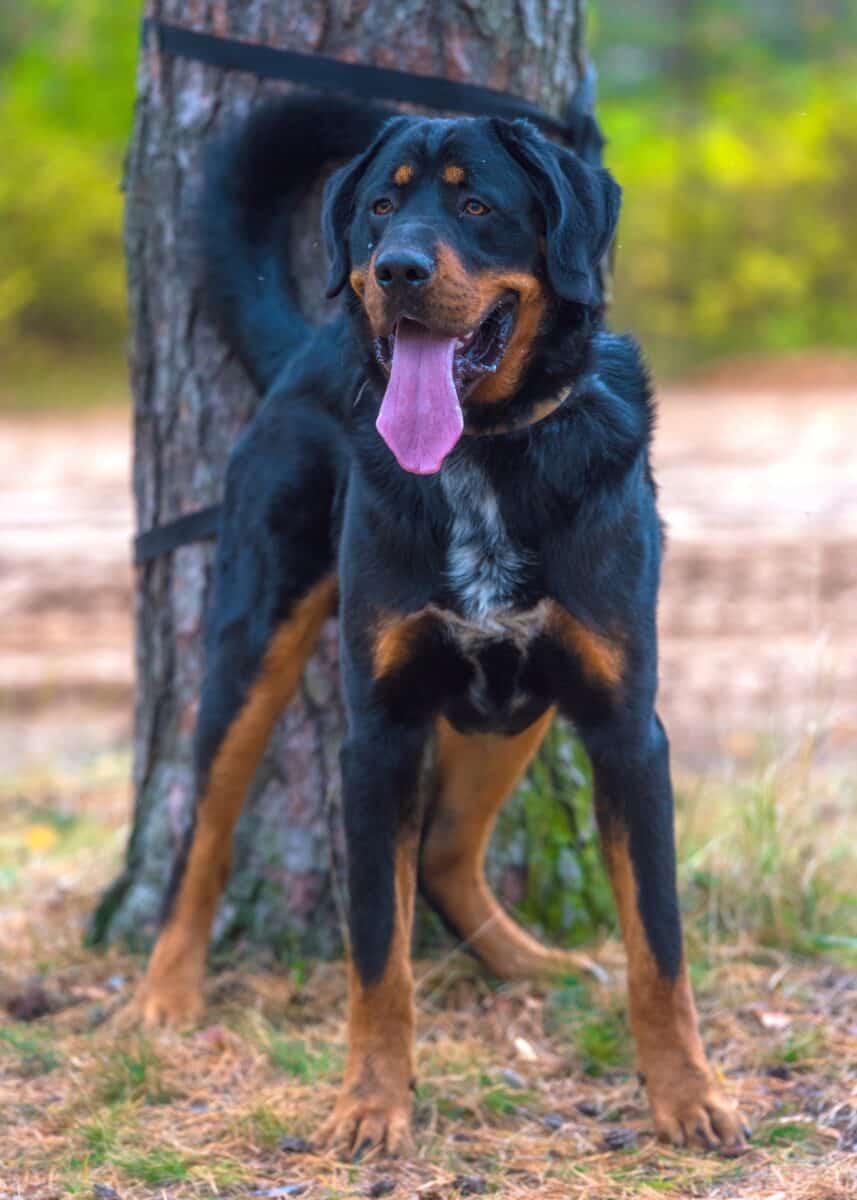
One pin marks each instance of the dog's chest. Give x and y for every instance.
(485, 569)
(486, 572)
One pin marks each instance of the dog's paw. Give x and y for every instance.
(360, 1125)
(562, 963)
(694, 1112)
(166, 1004)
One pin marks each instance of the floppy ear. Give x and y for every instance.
(337, 208)
(580, 205)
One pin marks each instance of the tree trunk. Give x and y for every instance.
(191, 398)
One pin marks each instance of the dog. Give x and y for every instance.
(459, 463)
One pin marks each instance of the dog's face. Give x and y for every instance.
(458, 239)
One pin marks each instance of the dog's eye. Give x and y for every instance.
(475, 208)
(382, 207)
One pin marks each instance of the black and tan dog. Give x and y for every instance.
(461, 461)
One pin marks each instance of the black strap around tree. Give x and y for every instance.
(325, 74)
(199, 526)
(322, 74)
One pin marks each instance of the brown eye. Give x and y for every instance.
(382, 207)
(475, 208)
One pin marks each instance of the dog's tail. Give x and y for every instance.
(587, 140)
(588, 143)
(254, 179)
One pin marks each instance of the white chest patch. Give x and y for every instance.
(483, 566)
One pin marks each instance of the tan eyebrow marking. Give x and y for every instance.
(403, 174)
(453, 174)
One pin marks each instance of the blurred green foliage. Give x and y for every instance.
(732, 126)
(733, 129)
(66, 95)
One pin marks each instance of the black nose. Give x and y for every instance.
(403, 268)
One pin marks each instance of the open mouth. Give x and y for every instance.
(430, 375)
(477, 353)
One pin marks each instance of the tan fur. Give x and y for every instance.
(531, 309)
(687, 1106)
(453, 174)
(403, 175)
(476, 772)
(357, 279)
(171, 990)
(396, 638)
(602, 660)
(374, 1104)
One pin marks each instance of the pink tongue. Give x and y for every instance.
(420, 417)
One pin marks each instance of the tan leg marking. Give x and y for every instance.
(373, 1110)
(171, 991)
(602, 660)
(687, 1105)
(396, 637)
(477, 773)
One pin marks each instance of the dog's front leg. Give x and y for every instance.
(380, 770)
(633, 797)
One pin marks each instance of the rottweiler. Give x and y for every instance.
(457, 462)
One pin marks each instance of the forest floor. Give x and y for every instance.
(522, 1092)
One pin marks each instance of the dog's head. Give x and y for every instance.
(460, 240)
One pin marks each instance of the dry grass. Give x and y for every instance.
(523, 1092)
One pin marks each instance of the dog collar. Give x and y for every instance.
(539, 412)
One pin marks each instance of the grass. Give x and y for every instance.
(208, 1114)
(156, 1167)
(773, 857)
(133, 1075)
(295, 1057)
(597, 1031)
(32, 1052)
(264, 1126)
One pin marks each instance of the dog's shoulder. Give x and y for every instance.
(617, 360)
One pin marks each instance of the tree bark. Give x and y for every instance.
(191, 398)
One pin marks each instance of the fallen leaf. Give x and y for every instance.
(773, 1020)
(40, 837)
(524, 1050)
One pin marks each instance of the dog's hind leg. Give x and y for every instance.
(476, 774)
(171, 990)
(275, 587)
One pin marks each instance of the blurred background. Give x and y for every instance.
(732, 126)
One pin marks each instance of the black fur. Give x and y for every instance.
(254, 177)
(581, 208)
(312, 487)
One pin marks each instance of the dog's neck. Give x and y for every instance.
(538, 412)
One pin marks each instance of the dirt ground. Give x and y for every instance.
(757, 467)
